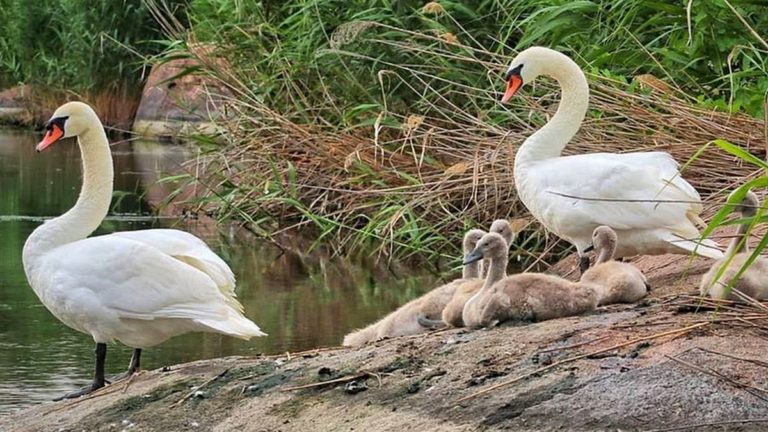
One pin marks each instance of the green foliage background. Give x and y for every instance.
(75, 45)
(710, 54)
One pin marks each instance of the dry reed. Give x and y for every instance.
(447, 162)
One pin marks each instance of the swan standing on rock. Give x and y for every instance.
(754, 281)
(138, 287)
(572, 195)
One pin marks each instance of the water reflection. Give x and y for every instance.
(301, 301)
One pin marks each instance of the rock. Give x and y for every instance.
(699, 379)
(14, 105)
(355, 387)
(176, 103)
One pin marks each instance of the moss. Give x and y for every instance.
(259, 387)
(407, 364)
(290, 408)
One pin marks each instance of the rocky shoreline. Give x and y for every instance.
(664, 364)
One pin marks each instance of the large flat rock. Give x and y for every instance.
(705, 378)
(175, 102)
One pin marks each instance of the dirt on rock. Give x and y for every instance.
(660, 365)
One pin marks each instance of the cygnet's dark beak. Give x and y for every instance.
(589, 248)
(475, 256)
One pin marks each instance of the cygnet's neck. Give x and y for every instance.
(92, 204)
(549, 141)
(739, 244)
(497, 269)
(605, 253)
(471, 270)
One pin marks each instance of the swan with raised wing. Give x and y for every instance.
(140, 287)
(640, 195)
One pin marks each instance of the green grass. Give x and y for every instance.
(377, 123)
(78, 49)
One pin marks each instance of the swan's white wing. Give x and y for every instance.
(579, 189)
(133, 280)
(667, 167)
(191, 250)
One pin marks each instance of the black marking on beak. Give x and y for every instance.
(57, 121)
(514, 71)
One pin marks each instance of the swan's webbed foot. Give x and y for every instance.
(83, 391)
(583, 264)
(98, 375)
(133, 367)
(430, 323)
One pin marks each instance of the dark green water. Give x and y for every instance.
(301, 301)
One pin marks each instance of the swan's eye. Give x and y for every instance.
(515, 71)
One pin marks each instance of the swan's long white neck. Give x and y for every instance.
(91, 207)
(549, 141)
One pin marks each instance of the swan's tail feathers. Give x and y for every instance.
(235, 325)
(706, 247)
(219, 272)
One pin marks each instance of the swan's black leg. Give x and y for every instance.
(98, 375)
(583, 264)
(135, 364)
(133, 367)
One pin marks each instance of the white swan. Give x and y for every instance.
(138, 287)
(552, 186)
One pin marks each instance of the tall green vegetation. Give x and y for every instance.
(379, 120)
(88, 48)
(706, 49)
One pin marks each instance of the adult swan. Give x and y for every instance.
(640, 195)
(138, 287)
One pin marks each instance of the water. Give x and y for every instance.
(301, 301)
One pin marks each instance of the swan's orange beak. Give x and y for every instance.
(54, 134)
(513, 85)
